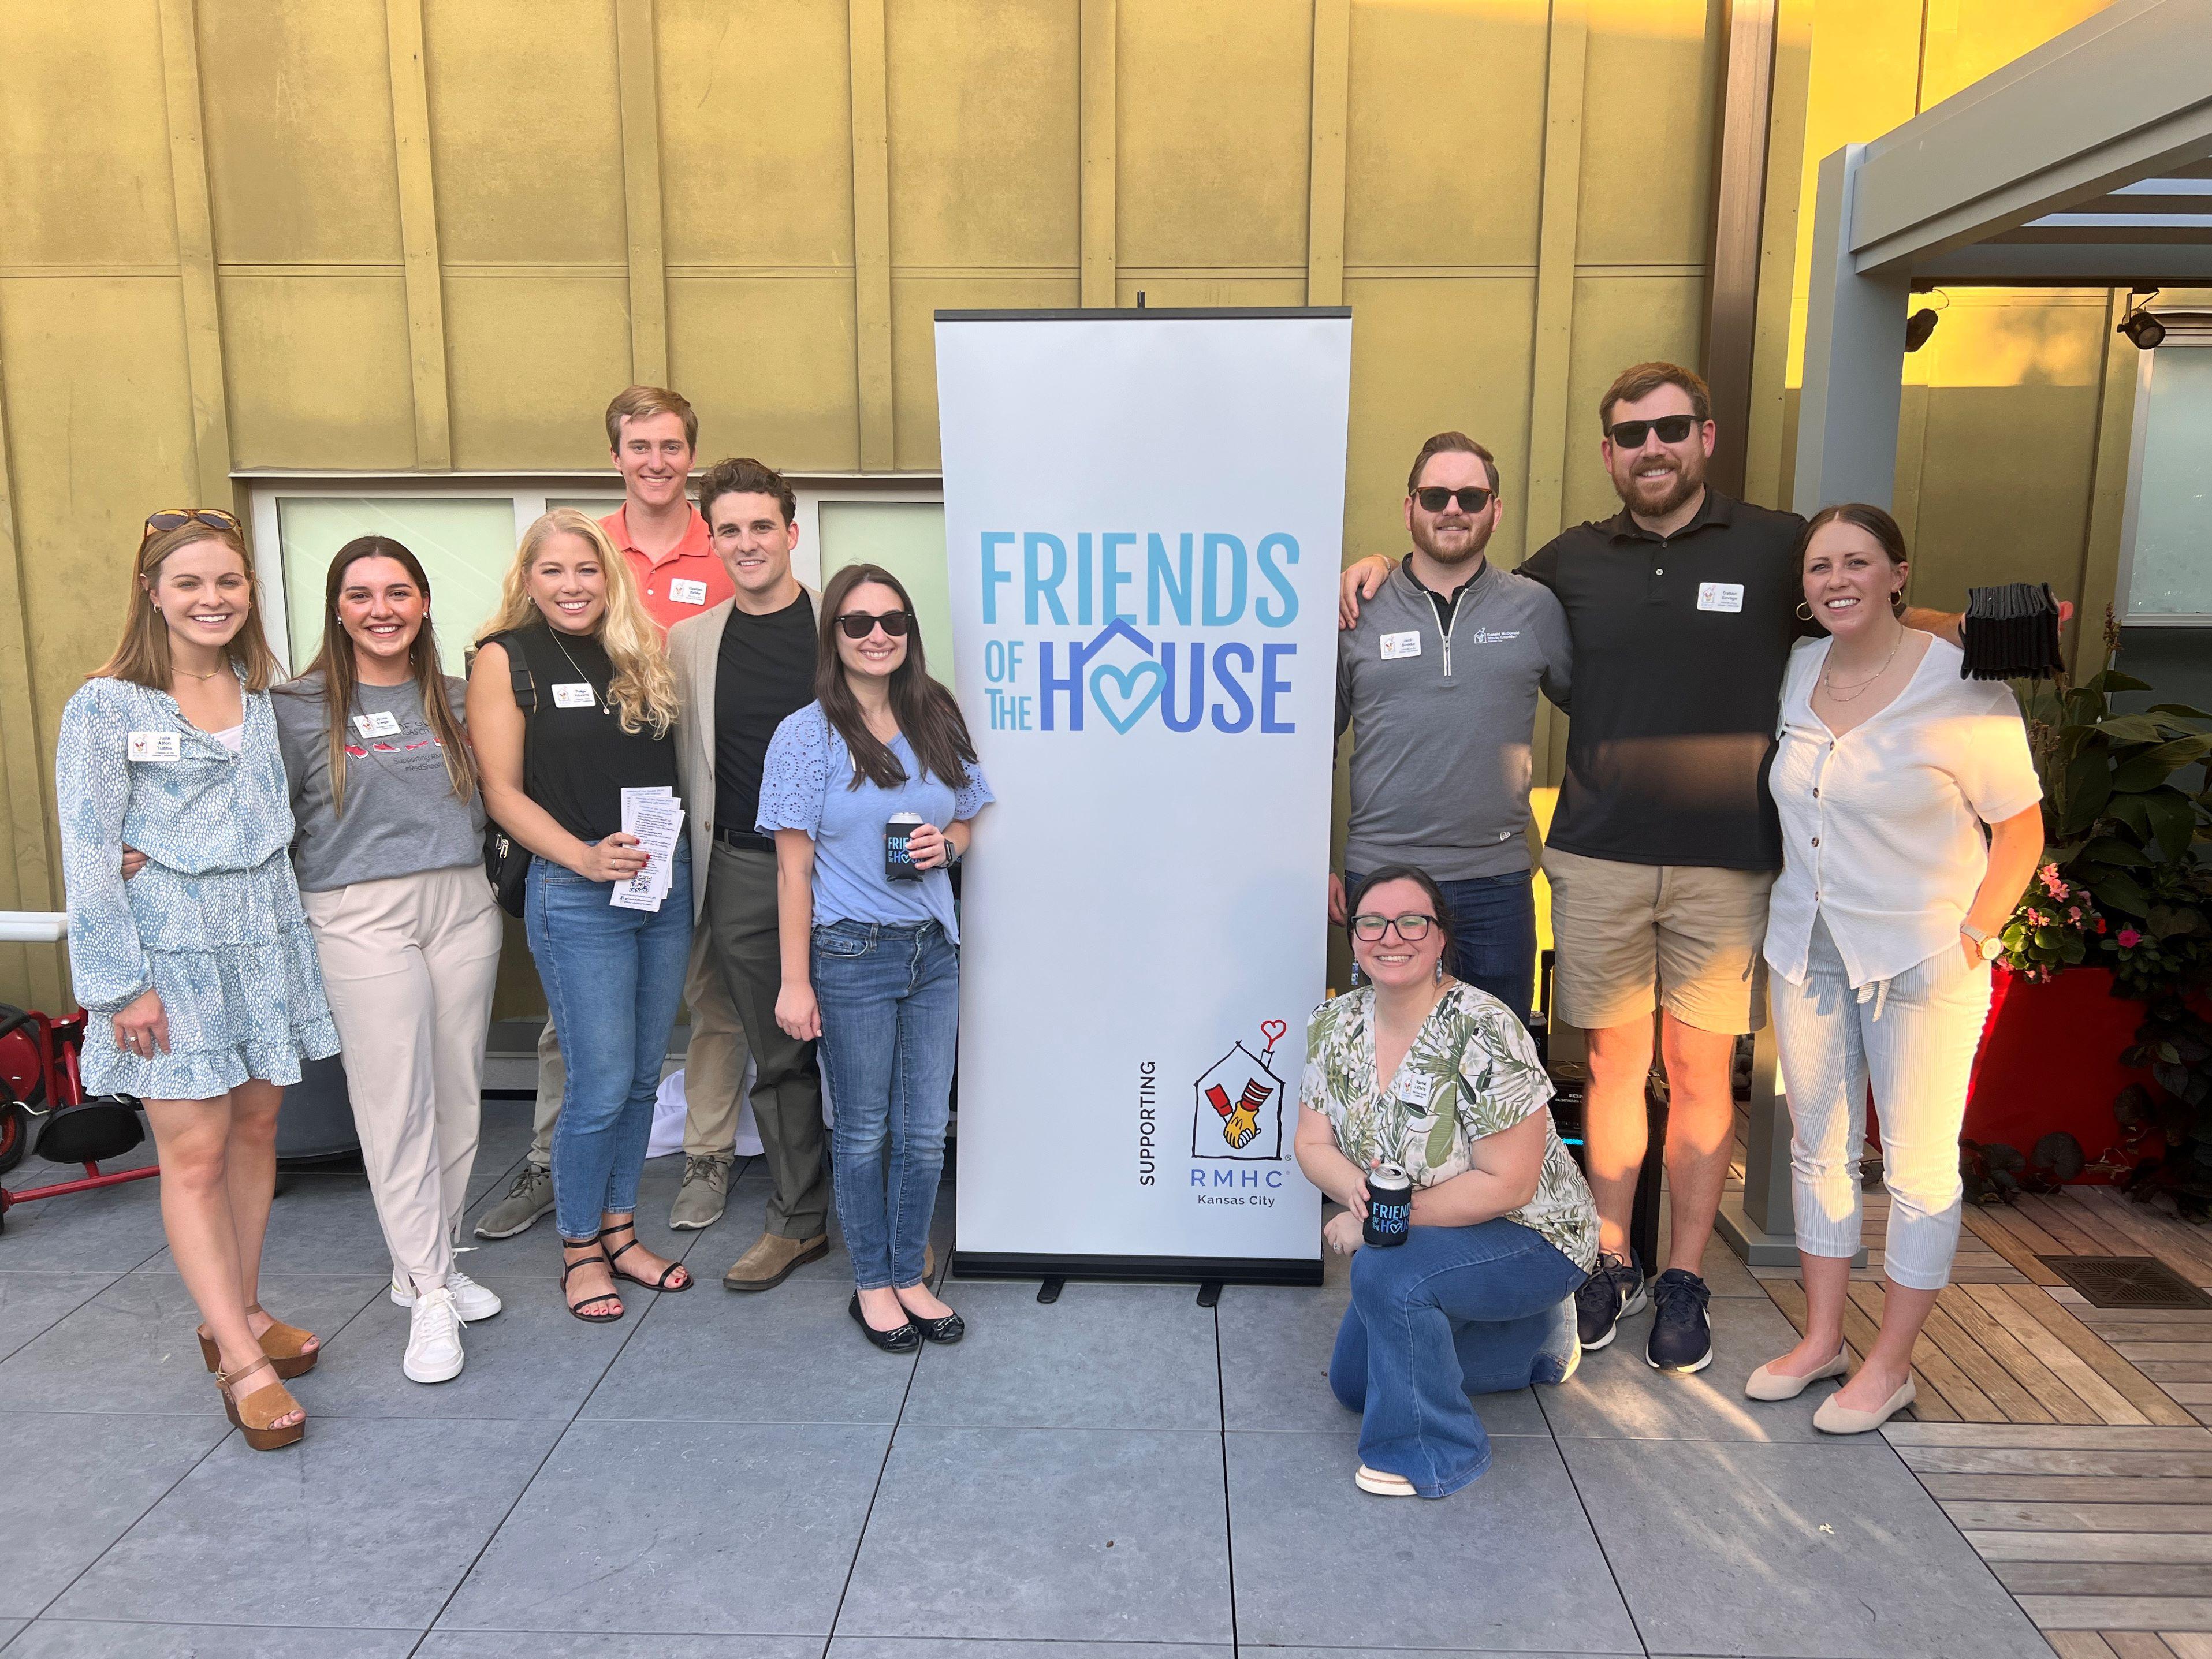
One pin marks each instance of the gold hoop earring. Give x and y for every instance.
(1804, 611)
(1897, 601)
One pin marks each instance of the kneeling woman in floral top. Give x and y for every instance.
(1416, 1069)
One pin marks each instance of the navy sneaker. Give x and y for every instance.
(1681, 1338)
(1616, 1289)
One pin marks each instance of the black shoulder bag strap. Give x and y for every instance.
(507, 860)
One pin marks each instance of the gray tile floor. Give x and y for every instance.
(1122, 1476)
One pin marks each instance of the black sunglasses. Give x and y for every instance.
(1434, 499)
(176, 517)
(859, 625)
(1671, 429)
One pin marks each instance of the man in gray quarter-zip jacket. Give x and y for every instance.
(1437, 681)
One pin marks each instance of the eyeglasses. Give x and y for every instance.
(1412, 928)
(859, 625)
(1671, 429)
(1434, 499)
(176, 517)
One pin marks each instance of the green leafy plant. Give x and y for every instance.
(2110, 808)
(2175, 1107)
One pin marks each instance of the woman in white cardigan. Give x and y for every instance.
(1880, 932)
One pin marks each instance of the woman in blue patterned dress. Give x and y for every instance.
(200, 976)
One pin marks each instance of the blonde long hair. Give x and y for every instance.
(644, 687)
(334, 675)
(143, 656)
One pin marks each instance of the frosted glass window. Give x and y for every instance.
(2170, 562)
(464, 544)
(908, 540)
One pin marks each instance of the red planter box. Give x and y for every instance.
(2049, 1061)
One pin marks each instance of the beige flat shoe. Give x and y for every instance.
(1383, 1484)
(1767, 1384)
(1832, 1419)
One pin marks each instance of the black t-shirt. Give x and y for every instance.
(1680, 648)
(764, 673)
(578, 760)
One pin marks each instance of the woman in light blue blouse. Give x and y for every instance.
(200, 975)
(870, 966)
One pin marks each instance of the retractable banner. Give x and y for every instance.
(1144, 515)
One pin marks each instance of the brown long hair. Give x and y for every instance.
(143, 655)
(925, 713)
(341, 675)
(644, 687)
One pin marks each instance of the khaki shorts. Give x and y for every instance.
(1623, 930)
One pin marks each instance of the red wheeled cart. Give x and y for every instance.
(43, 1108)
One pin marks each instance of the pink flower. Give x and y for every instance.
(2036, 919)
(2075, 914)
(2129, 939)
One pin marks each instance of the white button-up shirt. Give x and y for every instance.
(1881, 827)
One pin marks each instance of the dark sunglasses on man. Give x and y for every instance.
(176, 517)
(1434, 499)
(1671, 429)
(859, 625)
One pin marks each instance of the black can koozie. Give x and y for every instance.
(898, 857)
(1389, 1205)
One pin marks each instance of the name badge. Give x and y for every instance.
(685, 592)
(383, 724)
(1417, 1089)
(154, 746)
(1396, 646)
(575, 696)
(1720, 596)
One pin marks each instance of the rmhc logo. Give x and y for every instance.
(1235, 685)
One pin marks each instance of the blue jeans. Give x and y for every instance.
(613, 978)
(1451, 1312)
(1495, 920)
(889, 998)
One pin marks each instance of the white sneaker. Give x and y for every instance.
(473, 1301)
(433, 1338)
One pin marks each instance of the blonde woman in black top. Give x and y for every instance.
(605, 704)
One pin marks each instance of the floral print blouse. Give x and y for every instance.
(1471, 1072)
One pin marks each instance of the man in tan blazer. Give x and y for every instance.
(741, 667)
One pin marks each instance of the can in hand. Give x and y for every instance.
(1389, 1205)
(898, 858)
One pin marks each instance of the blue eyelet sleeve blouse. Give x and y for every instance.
(804, 785)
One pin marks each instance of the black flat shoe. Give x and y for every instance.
(947, 1330)
(905, 1339)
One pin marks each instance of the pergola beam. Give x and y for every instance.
(2115, 99)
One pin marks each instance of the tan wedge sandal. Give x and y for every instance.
(285, 1345)
(257, 1413)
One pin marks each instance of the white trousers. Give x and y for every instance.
(1913, 1038)
(409, 964)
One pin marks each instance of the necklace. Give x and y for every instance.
(1858, 688)
(599, 697)
(188, 674)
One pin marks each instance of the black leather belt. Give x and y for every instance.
(751, 843)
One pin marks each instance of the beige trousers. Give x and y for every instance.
(713, 1065)
(409, 964)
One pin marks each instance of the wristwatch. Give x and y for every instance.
(1991, 947)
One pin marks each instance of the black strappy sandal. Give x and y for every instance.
(568, 1267)
(614, 1262)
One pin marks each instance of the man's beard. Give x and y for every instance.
(1689, 478)
(1465, 555)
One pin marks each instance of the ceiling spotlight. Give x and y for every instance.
(1917, 327)
(2144, 331)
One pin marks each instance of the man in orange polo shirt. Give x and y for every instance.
(653, 435)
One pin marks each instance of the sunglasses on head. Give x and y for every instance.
(859, 625)
(1434, 499)
(1671, 429)
(176, 517)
